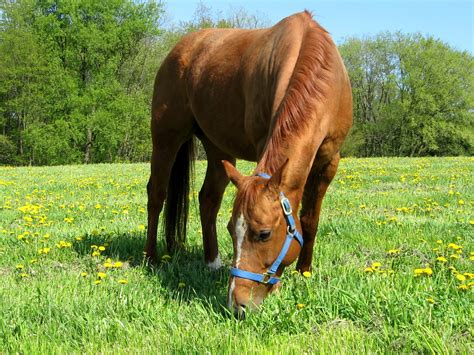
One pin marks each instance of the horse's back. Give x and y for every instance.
(232, 81)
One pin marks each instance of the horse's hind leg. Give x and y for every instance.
(170, 129)
(210, 198)
(315, 189)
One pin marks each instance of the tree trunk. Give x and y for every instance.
(88, 149)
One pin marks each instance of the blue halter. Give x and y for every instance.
(268, 277)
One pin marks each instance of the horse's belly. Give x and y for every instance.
(228, 135)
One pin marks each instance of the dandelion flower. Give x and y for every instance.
(96, 253)
(141, 227)
(441, 259)
(118, 264)
(430, 300)
(300, 305)
(23, 275)
(376, 265)
(101, 275)
(107, 265)
(83, 274)
(96, 282)
(461, 277)
(424, 271)
(307, 274)
(368, 270)
(101, 248)
(463, 287)
(122, 281)
(393, 251)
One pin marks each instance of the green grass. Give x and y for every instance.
(373, 205)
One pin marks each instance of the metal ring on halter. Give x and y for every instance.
(285, 204)
(290, 231)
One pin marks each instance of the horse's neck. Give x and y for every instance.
(300, 150)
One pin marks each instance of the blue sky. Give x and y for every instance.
(449, 20)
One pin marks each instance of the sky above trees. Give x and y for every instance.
(449, 20)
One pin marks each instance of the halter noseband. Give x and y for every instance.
(268, 277)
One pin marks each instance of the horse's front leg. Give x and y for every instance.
(210, 198)
(316, 186)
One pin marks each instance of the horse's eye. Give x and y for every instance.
(264, 235)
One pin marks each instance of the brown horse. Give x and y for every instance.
(280, 96)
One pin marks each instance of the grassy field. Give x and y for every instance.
(393, 267)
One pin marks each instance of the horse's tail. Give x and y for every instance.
(177, 200)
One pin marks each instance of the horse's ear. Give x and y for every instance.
(277, 177)
(233, 174)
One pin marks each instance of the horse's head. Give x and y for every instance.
(265, 237)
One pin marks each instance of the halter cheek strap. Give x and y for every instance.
(268, 277)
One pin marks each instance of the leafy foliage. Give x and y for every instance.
(76, 81)
(412, 96)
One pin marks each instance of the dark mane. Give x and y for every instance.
(308, 84)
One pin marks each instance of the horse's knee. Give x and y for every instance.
(208, 200)
(309, 225)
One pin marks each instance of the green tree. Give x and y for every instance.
(412, 96)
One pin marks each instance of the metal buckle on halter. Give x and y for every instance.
(266, 278)
(285, 204)
(290, 231)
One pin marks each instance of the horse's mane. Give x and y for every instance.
(308, 83)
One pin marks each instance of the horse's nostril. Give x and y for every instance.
(239, 312)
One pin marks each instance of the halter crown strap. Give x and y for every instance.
(292, 233)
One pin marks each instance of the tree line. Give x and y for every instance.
(76, 79)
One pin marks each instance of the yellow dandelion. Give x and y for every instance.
(79, 238)
(19, 267)
(141, 227)
(461, 277)
(393, 251)
(463, 287)
(469, 275)
(101, 275)
(96, 253)
(454, 256)
(430, 300)
(107, 265)
(439, 241)
(441, 259)
(96, 282)
(454, 246)
(300, 305)
(376, 265)
(368, 270)
(307, 274)
(101, 248)
(23, 275)
(122, 281)
(428, 271)
(118, 264)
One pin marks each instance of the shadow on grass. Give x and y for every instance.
(183, 276)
